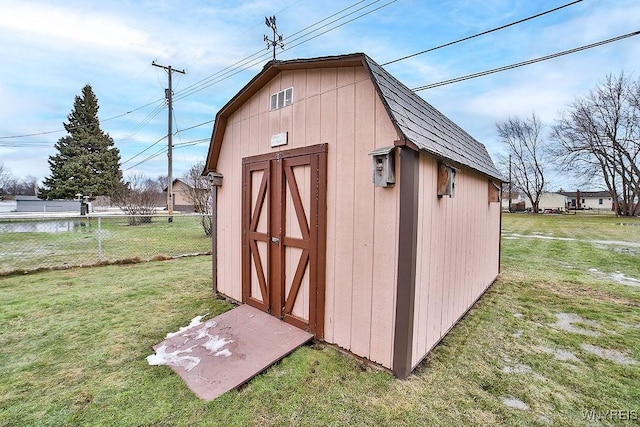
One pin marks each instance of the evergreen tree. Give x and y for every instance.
(87, 161)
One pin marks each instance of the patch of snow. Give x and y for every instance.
(520, 369)
(518, 315)
(512, 402)
(518, 334)
(194, 322)
(613, 355)
(215, 343)
(625, 280)
(562, 355)
(606, 243)
(204, 332)
(174, 358)
(617, 277)
(546, 420)
(225, 353)
(566, 322)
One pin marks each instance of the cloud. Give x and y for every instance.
(61, 28)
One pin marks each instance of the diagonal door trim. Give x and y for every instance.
(278, 176)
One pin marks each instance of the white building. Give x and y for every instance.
(589, 200)
(549, 201)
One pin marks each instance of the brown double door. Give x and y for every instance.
(283, 235)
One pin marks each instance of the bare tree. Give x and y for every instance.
(599, 139)
(139, 199)
(7, 182)
(199, 194)
(528, 151)
(27, 186)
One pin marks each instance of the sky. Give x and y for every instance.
(52, 49)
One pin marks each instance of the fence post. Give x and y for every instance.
(99, 239)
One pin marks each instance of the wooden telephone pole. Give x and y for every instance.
(169, 95)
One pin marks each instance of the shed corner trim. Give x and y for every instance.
(407, 254)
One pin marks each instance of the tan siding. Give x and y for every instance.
(326, 120)
(344, 208)
(460, 260)
(364, 223)
(385, 255)
(337, 107)
(229, 244)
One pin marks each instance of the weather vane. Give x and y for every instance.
(277, 38)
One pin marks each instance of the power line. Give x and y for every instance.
(231, 70)
(163, 150)
(342, 24)
(191, 143)
(146, 149)
(502, 27)
(81, 126)
(137, 128)
(203, 83)
(258, 57)
(521, 64)
(196, 126)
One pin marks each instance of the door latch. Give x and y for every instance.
(275, 240)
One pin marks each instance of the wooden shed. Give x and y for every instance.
(352, 208)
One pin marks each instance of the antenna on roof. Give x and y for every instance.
(277, 38)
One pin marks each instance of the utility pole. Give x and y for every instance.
(510, 184)
(277, 38)
(169, 95)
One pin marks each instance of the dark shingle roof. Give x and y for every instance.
(428, 128)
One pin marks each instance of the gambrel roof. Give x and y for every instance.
(418, 121)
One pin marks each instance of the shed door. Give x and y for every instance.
(283, 228)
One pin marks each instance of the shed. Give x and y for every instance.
(35, 204)
(352, 208)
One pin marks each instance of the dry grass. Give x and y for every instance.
(73, 345)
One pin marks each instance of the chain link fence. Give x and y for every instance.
(32, 243)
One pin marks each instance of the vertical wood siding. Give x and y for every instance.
(458, 250)
(340, 107)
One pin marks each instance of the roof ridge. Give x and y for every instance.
(427, 127)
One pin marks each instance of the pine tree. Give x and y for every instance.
(87, 161)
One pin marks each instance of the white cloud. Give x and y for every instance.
(60, 26)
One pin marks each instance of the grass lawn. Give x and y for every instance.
(558, 332)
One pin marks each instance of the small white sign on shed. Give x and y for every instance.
(279, 139)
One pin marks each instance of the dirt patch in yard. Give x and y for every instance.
(575, 291)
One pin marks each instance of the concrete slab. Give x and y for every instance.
(227, 351)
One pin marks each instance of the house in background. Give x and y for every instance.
(181, 200)
(352, 208)
(589, 200)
